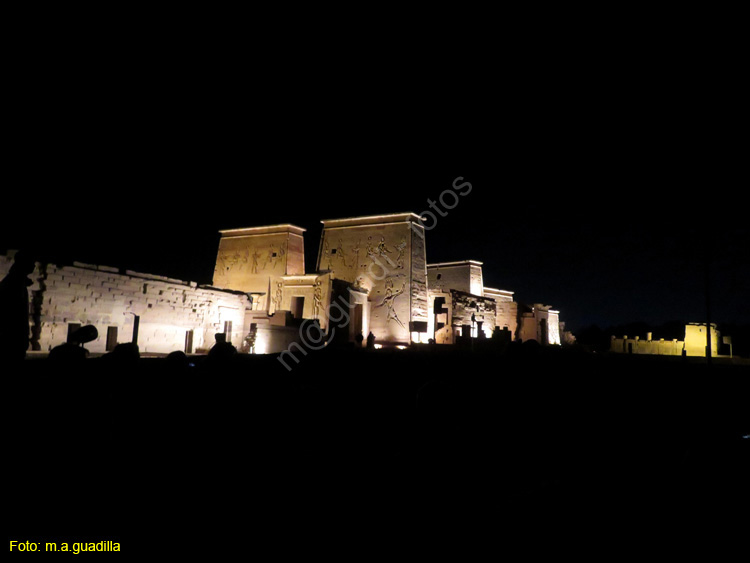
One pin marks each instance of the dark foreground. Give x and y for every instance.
(398, 454)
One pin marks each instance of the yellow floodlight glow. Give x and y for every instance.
(261, 343)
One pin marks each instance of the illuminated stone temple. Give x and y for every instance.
(371, 278)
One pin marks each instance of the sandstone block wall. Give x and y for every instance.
(62, 297)
(635, 345)
(506, 310)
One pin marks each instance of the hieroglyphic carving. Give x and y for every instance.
(369, 248)
(317, 299)
(275, 255)
(325, 259)
(419, 299)
(258, 261)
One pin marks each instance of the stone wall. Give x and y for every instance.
(506, 310)
(62, 297)
(635, 345)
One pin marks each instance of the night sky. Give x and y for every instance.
(592, 191)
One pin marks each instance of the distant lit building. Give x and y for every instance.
(694, 343)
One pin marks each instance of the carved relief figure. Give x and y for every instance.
(221, 267)
(356, 250)
(254, 265)
(339, 252)
(389, 301)
(278, 296)
(370, 249)
(382, 248)
(379, 250)
(401, 247)
(242, 258)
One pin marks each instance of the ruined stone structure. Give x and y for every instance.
(458, 289)
(371, 278)
(694, 343)
(165, 314)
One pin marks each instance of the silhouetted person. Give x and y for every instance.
(531, 348)
(73, 350)
(359, 339)
(177, 363)
(124, 355)
(222, 351)
(177, 360)
(14, 309)
(371, 341)
(68, 353)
